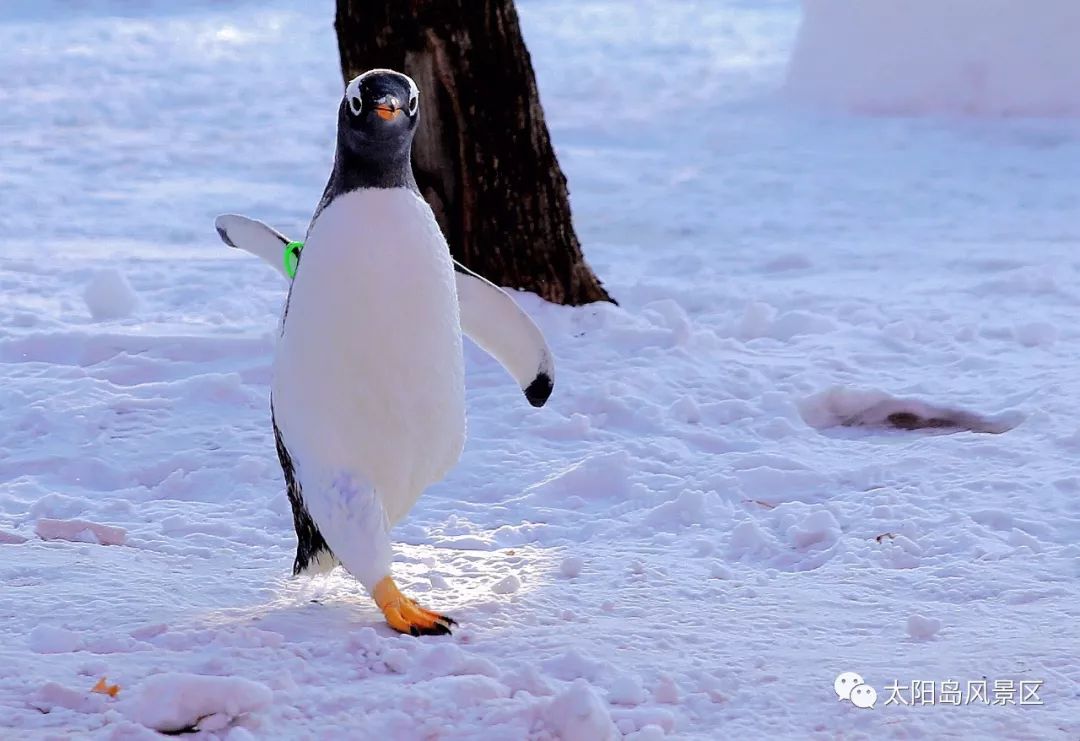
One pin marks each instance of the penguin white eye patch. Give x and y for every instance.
(414, 96)
(352, 94)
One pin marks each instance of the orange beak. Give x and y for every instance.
(388, 109)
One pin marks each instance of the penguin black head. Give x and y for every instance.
(377, 118)
(378, 115)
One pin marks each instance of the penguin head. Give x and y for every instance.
(379, 114)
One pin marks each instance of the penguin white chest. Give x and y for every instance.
(368, 375)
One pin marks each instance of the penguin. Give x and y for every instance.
(368, 396)
(489, 316)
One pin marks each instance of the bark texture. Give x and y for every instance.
(482, 155)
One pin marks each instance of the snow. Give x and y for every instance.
(506, 585)
(1035, 334)
(973, 57)
(626, 690)
(108, 295)
(666, 689)
(571, 566)
(52, 639)
(578, 714)
(79, 531)
(693, 512)
(53, 695)
(922, 628)
(852, 407)
(175, 701)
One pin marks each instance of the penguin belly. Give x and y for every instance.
(368, 388)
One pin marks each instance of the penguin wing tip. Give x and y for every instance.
(224, 234)
(540, 389)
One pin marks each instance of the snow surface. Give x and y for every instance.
(174, 701)
(109, 296)
(79, 530)
(972, 57)
(689, 556)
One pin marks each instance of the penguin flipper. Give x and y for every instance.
(489, 315)
(495, 322)
(253, 236)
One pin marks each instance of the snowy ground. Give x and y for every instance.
(692, 552)
(983, 57)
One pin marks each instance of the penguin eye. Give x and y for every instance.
(356, 104)
(414, 103)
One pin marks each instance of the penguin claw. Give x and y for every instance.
(443, 620)
(405, 616)
(438, 629)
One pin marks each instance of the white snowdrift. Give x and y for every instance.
(578, 714)
(53, 695)
(847, 407)
(175, 701)
(53, 639)
(10, 538)
(79, 531)
(108, 295)
(974, 57)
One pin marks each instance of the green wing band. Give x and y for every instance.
(292, 257)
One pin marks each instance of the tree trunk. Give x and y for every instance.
(482, 154)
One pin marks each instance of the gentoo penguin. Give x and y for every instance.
(489, 316)
(367, 399)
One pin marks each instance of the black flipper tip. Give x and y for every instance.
(224, 236)
(539, 390)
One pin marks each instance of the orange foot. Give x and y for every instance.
(404, 615)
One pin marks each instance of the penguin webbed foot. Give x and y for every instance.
(405, 616)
